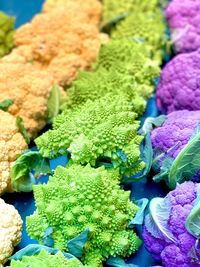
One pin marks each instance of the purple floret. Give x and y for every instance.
(179, 126)
(179, 85)
(183, 17)
(173, 254)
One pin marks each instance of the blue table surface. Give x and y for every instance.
(24, 202)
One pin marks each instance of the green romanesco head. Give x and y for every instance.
(123, 67)
(148, 28)
(125, 55)
(6, 33)
(77, 198)
(45, 259)
(98, 132)
(116, 9)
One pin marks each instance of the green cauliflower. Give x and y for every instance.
(45, 259)
(148, 28)
(6, 33)
(99, 132)
(80, 198)
(123, 67)
(115, 9)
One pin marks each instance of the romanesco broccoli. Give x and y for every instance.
(6, 33)
(104, 130)
(148, 28)
(77, 198)
(113, 9)
(123, 66)
(45, 259)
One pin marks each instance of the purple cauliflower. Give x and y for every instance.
(174, 147)
(179, 85)
(165, 233)
(178, 128)
(183, 18)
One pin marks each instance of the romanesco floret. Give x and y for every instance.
(46, 260)
(6, 33)
(77, 198)
(148, 28)
(98, 131)
(115, 8)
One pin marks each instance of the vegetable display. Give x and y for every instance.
(76, 85)
(84, 205)
(168, 225)
(10, 231)
(6, 33)
(183, 19)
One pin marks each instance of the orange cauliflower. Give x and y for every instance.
(12, 144)
(60, 48)
(29, 89)
(10, 230)
(92, 7)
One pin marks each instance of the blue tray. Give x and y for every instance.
(24, 202)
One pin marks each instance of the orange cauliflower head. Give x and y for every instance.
(92, 7)
(29, 89)
(12, 144)
(61, 48)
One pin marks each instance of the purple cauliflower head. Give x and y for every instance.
(183, 18)
(176, 148)
(178, 128)
(165, 235)
(179, 85)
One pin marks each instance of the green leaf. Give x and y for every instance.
(75, 245)
(20, 125)
(139, 217)
(192, 222)
(54, 102)
(21, 177)
(187, 163)
(5, 104)
(34, 249)
(150, 123)
(118, 262)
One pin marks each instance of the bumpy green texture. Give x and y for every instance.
(6, 33)
(77, 198)
(123, 67)
(148, 27)
(115, 8)
(104, 130)
(45, 259)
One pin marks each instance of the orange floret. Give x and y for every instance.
(61, 48)
(92, 7)
(28, 88)
(12, 144)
